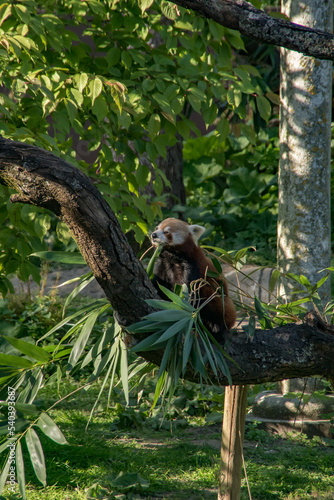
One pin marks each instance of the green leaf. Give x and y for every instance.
(166, 356)
(27, 409)
(50, 429)
(31, 350)
(5, 11)
(274, 98)
(15, 361)
(176, 328)
(36, 455)
(113, 56)
(162, 304)
(126, 59)
(168, 316)
(100, 108)
(81, 81)
(95, 88)
(144, 5)
(23, 13)
(145, 344)
(176, 299)
(264, 107)
(76, 96)
(81, 342)
(274, 279)
(62, 257)
(321, 282)
(187, 347)
(20, 470)
(4, 474)
(124, 372)
(151, 263)
(68, 319)
(195, 102)
(154, 125)
(169, 10)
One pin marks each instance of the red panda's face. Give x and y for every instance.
(174, 232)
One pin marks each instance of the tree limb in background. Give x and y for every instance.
(42, 179)
(256, 24)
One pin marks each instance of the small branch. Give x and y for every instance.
(256, 24)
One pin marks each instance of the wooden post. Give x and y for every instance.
(232, 442)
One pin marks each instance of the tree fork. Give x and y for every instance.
(45, 180)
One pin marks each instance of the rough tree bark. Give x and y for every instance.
(44, 180)
(256, 24)
(172, 166)
(304, 239)
(304, 236)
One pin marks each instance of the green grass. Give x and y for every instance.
(178, 464)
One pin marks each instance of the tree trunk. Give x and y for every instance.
(303, 243)
(231, 460)
(172, 166)
(305, 137)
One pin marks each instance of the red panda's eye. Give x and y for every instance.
(166, 231)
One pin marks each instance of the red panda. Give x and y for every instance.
(182, 261)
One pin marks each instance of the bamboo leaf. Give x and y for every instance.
(100, 364)
(174, 329)
(20, 470)
(51, 429)
(81, 342)
(168, 316)
(147, 343)
(15, 361)
(165, 357)
(187, 347)
(151, 263)
(176, 299)
(158, 388)
(124, 371)
(4, 474)
(36, 455)
(35, 381)
(162, 304)
(68, 319)
(31, 350)
(273, 280)
(25, 408)
(86, 279)
(107, 337)
(61, 257)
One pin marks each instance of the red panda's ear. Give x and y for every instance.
(196, 232)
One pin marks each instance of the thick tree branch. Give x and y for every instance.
(44, 180)
(256, 24)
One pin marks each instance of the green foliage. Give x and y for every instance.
(177, 328)
(232, 188)
(114, 484)
(125, 78)
(87, 341)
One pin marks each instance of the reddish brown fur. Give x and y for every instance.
(219, 308)
(219, 311)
